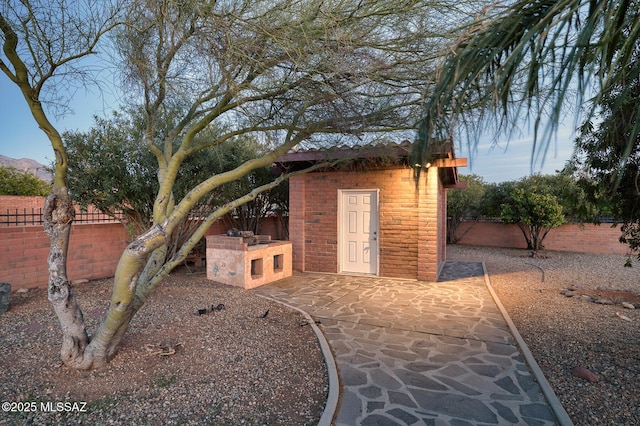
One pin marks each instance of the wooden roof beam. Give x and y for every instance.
(448, 162)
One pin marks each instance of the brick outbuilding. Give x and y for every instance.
(370, 213)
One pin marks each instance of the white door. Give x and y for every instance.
(359, 231)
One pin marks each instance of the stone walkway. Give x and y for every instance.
(412, 353)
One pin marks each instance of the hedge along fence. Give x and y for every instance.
(587, 238)
(95, 245)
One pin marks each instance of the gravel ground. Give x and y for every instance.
(568, 332)
(234, 367)
(231, 366)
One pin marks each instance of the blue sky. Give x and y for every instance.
(21, 138)
(511, 159)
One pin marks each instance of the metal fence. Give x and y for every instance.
(33, 216)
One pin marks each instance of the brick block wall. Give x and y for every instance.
(12, 203)
(320, 222)
(297, 213)
(23, 256)
(274, 226)
(429, 231)
(442, 226)
(313, 219)
(94, 251)
(399, 222)
(587, 238)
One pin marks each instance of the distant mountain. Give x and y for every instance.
(27, 165)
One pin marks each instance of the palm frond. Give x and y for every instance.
(532, 60)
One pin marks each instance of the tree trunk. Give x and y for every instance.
(452, 229)
(523, 229)
(538, 234)
(133, 263)
(78, 350)
(58, 216)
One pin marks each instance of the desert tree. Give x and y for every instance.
(464, 204)
(495, 195)
(45, 46)
(535, 208)
(283, 72)
(539, 203)
(110, 170)
(603, 145)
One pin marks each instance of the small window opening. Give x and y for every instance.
(256, 268)
(278, 263)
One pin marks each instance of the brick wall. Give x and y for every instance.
(94, 250)
(442, 227)
(587, 238)
(14, 202)
(320, 221)
(408, 223)
(399, 215)
(297, 214)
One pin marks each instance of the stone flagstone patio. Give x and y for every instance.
(411, 352)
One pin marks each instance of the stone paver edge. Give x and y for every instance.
(546, 388)
(332, 370)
